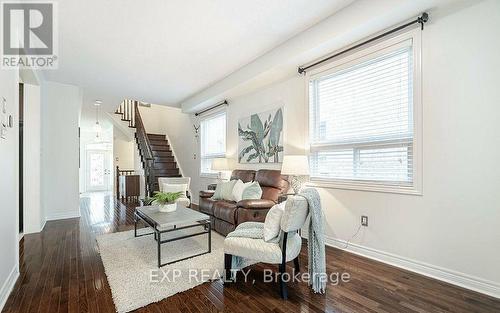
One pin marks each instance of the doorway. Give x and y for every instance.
(98, 170)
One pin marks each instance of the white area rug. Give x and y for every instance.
(133, 275)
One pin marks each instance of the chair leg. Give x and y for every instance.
(282, 268)
(283, 289)
(228, 259)
(296, 264)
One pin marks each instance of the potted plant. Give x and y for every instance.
(165, 200)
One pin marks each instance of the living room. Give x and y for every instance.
(362, 133)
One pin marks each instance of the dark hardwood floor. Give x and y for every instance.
(61, 271)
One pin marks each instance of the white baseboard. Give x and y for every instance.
(447, 275)
(36, 231)
(61, 216)
(43, 226)
(8, 286)
(450, 276)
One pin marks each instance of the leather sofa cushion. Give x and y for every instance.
(271, 193)
(245, 175)
(251, 215)
(207, 193)
(256, 204)
(223, 227)
(272, 183)
(225, 210)
(206, 206)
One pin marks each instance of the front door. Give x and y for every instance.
(98, 170)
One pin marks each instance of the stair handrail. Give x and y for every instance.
(145, 146)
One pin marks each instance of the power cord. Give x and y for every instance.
(353, 236)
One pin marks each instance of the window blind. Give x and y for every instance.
(361, 120)
(213, 140)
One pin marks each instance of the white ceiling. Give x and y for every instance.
(360, 20)
(165, 51)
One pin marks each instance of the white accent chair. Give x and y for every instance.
(174, 184)
(294, 217)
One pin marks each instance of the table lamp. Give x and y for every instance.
(220, 165)
(297, 167)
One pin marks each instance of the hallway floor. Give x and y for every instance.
(61, 271)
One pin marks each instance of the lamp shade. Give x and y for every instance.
(297, 165)
(220, 164)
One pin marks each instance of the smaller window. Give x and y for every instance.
(213, 141)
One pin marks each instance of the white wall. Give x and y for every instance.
(9, 180)
(34, 216)
(452, 232)
(288, 94)
(123, 151)
(179, 130)
(60, 147)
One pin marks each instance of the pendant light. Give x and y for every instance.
(97, 126)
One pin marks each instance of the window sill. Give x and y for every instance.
(328, 184)
(208, 175)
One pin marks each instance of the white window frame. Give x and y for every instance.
(221, 155)
(355, 58)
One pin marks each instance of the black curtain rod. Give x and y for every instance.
(211, 108)
(422, 19)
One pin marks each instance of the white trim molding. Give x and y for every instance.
(62, 216)
(8, 286)
(43, 226)
(447, 275)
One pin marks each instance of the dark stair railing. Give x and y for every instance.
(129, 110)
(145, 148)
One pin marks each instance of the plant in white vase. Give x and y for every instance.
(166, 201)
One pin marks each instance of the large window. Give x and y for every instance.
(362, 119)
(213, 141)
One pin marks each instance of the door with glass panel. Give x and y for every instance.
(98, 170)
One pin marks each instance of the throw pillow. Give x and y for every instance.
(252, 191)
(217, 193)
(239, 189)
(273, 221)
(174, 188)
(226, 191)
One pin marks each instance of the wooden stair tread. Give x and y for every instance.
(166, 170)
(156, 135)
(162, 153)
(163, 160)
(165, 166)
(158, 142)
(167, 175)
(160, 148)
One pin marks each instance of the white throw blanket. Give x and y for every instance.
(316, 241)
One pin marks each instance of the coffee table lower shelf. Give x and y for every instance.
(138, 216)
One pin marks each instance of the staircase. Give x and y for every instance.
(164, 161)
(155, 151)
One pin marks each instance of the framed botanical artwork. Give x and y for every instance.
(261, 137)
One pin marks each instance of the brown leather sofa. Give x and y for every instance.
(226, 215)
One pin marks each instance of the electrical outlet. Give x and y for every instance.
(364, 220)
